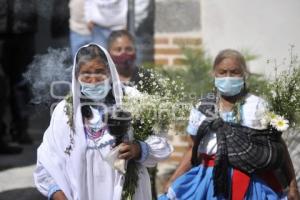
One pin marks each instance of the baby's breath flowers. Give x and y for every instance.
(158, 105)
(155, 113)
(283, 93)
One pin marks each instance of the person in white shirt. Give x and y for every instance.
(104, 16)
(79, 32)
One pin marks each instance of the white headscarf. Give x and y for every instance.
(117, 86)
(69, 171)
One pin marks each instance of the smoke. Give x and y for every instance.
(50, 76)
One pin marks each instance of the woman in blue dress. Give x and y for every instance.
(233, 105)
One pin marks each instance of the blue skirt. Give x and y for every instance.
(198, 184)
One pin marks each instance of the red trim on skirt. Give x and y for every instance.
(240, 181)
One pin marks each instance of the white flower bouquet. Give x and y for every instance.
(283, 94)
(155, 113)
(158, 105)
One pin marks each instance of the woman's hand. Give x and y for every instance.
(183, 167)
(90, 25)
(167, 185)
(129, 150)
(293, 194)
(59, 195)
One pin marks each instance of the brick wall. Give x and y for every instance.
(168, 47)
(177, 23)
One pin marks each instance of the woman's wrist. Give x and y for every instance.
(293, 185)
(144, 151)
(138, 151)
(52, 190)
(59, 195)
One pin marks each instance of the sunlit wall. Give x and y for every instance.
(266, 28)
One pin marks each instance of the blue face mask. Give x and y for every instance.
(95, 91)
(229, 86)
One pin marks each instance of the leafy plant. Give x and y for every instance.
(194, 75)
(283, 92)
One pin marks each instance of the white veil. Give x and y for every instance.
(116, 88)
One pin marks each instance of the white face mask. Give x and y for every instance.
(229, 86)
(95, 91)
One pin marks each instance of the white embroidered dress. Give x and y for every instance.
(84, 174)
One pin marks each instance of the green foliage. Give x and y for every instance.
(248, 55)
(69, 109)
(131, 180)
(198, 74)
(283, 93)
(194, 75)
(257, 84)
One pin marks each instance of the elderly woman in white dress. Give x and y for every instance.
(71, 161)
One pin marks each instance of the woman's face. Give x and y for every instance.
(93, 71)
(122, 45)
(228, 67)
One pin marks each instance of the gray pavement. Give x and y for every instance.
(16, 179)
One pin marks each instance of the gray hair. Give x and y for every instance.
(88, 53)
(234, 54)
